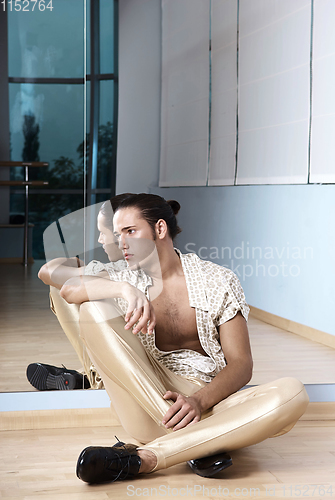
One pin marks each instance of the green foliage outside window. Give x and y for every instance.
(64, 173)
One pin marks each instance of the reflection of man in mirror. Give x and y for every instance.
(173, 385)
(55, 273)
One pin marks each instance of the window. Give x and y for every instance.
(247, 92)
(63, 106)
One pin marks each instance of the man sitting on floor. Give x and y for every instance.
(174, 385)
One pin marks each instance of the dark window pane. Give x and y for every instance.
(88, 104)
(43, 210)
(106, 36)
(88, 38)
(107, 88)
(106, 134)
(46, 124)
(47, 43)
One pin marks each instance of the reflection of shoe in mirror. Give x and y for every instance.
(97, 464)
(47, 378)
(208, 466)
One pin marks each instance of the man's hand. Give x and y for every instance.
(139, 309)
(184, 411)
(99, 287)
(235, 344)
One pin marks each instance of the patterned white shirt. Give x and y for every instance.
(216, 295)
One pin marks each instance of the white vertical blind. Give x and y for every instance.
(224, 92)
(274, 91)
(323, 94)
(185, 90)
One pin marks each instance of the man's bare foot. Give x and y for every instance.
(148, 459)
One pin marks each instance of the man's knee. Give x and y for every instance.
(291, 388)
(285, 400)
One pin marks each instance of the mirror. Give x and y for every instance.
(52, 60)
(61, 98)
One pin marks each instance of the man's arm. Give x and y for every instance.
(89, 288)
(235, 344)
(58, 271)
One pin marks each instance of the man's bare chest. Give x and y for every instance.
(176, 326)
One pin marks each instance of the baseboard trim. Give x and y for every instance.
(57, 419)
(294, 327)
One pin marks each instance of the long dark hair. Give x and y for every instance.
(152, 208)
(109, 207)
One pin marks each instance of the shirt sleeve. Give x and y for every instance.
(225, 294)
(233, 300)
(94, 267)
(112, 268)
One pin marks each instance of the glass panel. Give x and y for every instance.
(106, 36)
(88, 37)
(46, 43)
(88, 101)
(46, 124)
(88, 104)
(43, 210)
(106, 133)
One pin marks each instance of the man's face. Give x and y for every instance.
(107, 239)
(134, 235)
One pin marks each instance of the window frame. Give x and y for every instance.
(90, 190)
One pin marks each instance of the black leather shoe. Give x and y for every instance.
(47, 378)
(209, 466)
(97, 464)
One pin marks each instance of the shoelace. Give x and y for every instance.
(125, 467)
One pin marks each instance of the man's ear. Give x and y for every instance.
(161, 229)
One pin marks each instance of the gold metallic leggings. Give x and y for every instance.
(136, 383)
(68, 317)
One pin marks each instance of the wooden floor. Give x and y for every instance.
(278, 353)
(31, 333)
(41, 464)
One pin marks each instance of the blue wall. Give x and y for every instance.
(139, 95)
(291, 273)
